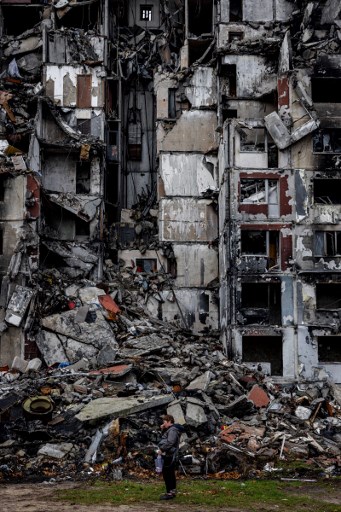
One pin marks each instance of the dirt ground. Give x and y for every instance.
(39, 498)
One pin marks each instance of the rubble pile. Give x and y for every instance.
(91, 405)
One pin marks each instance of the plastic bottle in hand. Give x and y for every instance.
(158, 464)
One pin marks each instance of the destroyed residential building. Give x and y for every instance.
(190, 148)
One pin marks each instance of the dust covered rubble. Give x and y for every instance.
(80, 413)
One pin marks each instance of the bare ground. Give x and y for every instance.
(41, 498)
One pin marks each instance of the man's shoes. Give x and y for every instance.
(167, 496)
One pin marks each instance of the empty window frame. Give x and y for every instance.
(252, 139)
(235, 36)
(328, 295)
(327, 243)
(261, 303)
(259, 191)
(236, 10)
(82, 228)
(1, 241)
(261, 244)
(2, 188)
(200, 17)
(146, 12)
(148, 265)
(327, 141)
(264, 349)
(327, 191)
(172, 103)
(82, 177)
(329, 349)
(228, 81)
(326, 90)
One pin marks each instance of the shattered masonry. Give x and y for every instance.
(188, 149)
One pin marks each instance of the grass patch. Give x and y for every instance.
(252, 495)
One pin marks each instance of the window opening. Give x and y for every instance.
(327, 141)
(261, 303)
(262, 244)
(82, 228)
(326, 90)
(252, 139)
(329, 349)
(172, 103)
(1, 241)
(82, 177)
(235, 36)
(327, 243)
(328, 295)
(2, 188)
(146, 12)
(135, 135)
(148, 265)
(264, 349)
(236, 10)
(327, 191)
(228, 82)
(200, 17)
(259, 191)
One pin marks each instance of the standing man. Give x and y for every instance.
(168, 448)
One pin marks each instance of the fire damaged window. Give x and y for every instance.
(328, 295)
(263, 244)
(261, 303)
(327, 191)
(146, 12)
(236, 10)
(264, 349)
(259, 191)
(252, 139)
(327, 141)
(329, 349)
(146, 265)
(326, 90)
(327, 243)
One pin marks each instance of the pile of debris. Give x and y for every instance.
(91, 405)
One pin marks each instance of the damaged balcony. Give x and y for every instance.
(264, 352)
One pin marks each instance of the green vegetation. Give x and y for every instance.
(250, 495)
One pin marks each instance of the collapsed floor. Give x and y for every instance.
(100, 416)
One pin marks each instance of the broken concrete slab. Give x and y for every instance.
(201, 382)
(18, 305)
(120, 407)
(175, 410)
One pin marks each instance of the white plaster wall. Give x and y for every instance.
(194, 131)
(131, 255)
(258, 10)
(289, 353)
(161, 85)
(249, 159)
(57, 73)
(187, 220)
(202, 91)
(186, 174)
(197, 265)
(254, 76)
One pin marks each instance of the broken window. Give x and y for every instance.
(329, 349)
(82, 177)
(146, 265)
(326, 90)
(229, 113)
(84, 91)
(264, 349)
(257, 191)
(252, 139)
(236, 10)
(261, 244)
(327, 243)
(261, 303)
(327, 141)
(146, 12)
(328, 295)
(327, 191)
(1, 240)
(200, 17)
(198, 49)
(228, 82)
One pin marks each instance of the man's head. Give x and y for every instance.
(168, 420)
